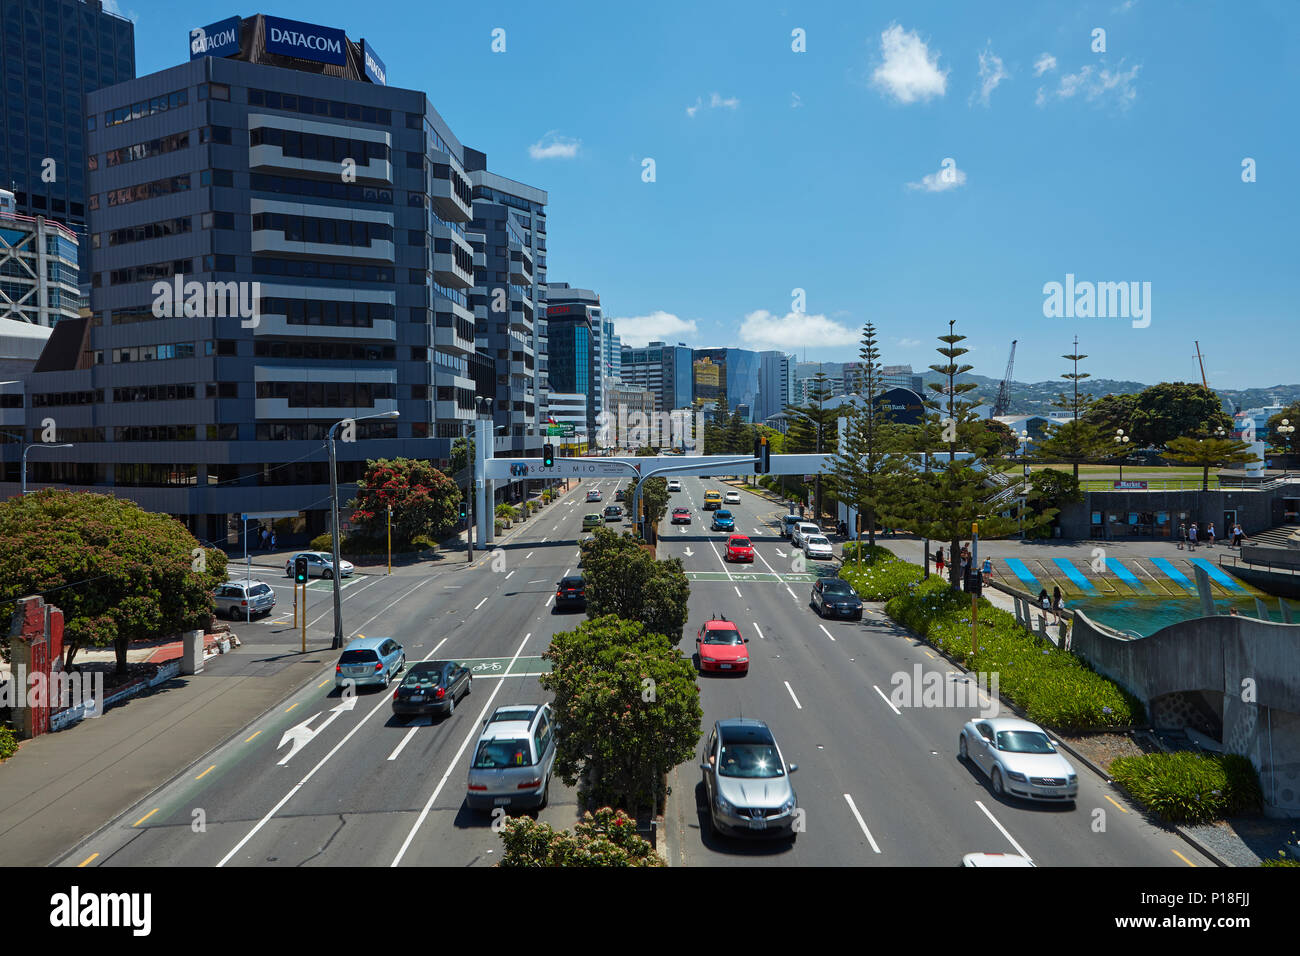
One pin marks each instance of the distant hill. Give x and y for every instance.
(1036, 398)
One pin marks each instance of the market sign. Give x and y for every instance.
(1130, 485)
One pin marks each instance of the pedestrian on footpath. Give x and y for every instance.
(273, 540)
(1058, 603)
(1237, 536)
(1209, 535)
(987, 570)
(1182, 535)
(1191, 538)
(938, 560)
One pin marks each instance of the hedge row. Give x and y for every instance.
(354, 544)
(882, 575)
(1188, 787)
(1052, 686)
(8, 742)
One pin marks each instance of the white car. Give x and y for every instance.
(674, 485)
(995, 859)
(320, 564)
(731, 498)
(802, 530)
(1019, 759)
(817, 546)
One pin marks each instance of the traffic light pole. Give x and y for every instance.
(469, 511)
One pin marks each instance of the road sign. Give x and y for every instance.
(564, 430)
(1130, 485)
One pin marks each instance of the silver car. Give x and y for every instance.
(513, 759)
(1019, 759)
(817, 546)
(747, 781)
(320, 564)
(241, 599)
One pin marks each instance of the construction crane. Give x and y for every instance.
(1002, 404)
(1204, 384)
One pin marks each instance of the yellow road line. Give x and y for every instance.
(206, 772)
(87, 860)
(928, 654)
(291, 706)
(145, 817)
(1183, 858)
(255, 733)
(1121, 809)
(324, 682)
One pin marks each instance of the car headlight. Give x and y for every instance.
(742, 660)
(723, 806)
(1019, 777)
(788, 806)
(1072, 778)
(707, 660)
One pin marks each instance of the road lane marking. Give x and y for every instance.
(145, 817)
(403, 742)
(791, 690)
(343, 597)
(473, 732)
(826, 632)
(887, 700)
(1010, 839)
(760, 633)
(292, 706)
(391, 605)
(543, 541)
(206, 772)
(510, 575)
(738, 594)
(255, 733)
(1183, 858)
(528, 555)
(1120, 808)
(323, 683)
(480, 604)
(87, 860)
(549, 600)
(862, 823)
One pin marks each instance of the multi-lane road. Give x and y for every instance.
(330, 780)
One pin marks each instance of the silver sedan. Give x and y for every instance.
(1019, 759)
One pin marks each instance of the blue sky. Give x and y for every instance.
(778, 170)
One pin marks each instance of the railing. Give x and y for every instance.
(1283, 567)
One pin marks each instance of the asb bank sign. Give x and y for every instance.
(217, 39)
(306, 41)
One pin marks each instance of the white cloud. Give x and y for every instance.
(1044, 63)
(658, 326)
(909, 343)
(908, 73)
(991, 74)
(1095, 84)
(794, 330)
(948, 177)
(715, 101)
(554, 146)
(795, 101)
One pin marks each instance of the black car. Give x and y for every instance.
(620, 495)
(613, 513)
(571, 592)
(835, 597)
(431, 687)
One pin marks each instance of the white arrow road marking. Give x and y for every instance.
(688, 552)
(301, 735)
(780, 553)
(862, 823)
(1010, 839)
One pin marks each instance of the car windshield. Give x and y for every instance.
(359, 657)
(1025, 742)
(740, 542)
(838, 586)
(750, 760)
(817, 539)
(260, 589)
(571, 582)
(720, 635)
(500, 754)
(423, 678)
(516, 713)
(724, 515)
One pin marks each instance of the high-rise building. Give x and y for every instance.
(38, 267)
(55, 52)
(773, 384)
(611, 347)
(567, 304)
(726, 375)
(664, 369)
(900, 376)
(248, 297)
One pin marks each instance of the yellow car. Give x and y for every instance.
(592, 521)
(712, 500)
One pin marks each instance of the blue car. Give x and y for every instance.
(369, 660)
(723, 521)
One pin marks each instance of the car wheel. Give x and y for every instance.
(546, 793)
(402, 665)
(995, 779)
(962, 753)
(469, 684)
(327, 575)
(451, 706)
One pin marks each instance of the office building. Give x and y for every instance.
(566, 305)
(664, 369)
(330, 298)
(901, 376)
(55, 52)
(611, 348)
(773, 384)
(38, 267)
(726, 376)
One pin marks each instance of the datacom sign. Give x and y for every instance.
(216, 39)
(375, 68)
(306, 41)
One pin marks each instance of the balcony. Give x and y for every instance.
(450, 197)
(453, 270)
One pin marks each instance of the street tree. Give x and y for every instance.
(865, 474)
(120, 574)
(1207, 453)
(606, 838)
(1050, 490)
(424, 500)
(623, 579)
(1172, 410)
(627, 709)
(1110, 413)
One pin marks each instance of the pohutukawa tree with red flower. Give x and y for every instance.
(424, 500)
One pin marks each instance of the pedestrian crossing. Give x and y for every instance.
(1111, 576)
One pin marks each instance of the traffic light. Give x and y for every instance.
(548, 455)
(462, 509)
(300, 570)
(762, 455)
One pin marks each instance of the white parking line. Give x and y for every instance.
(862, 823)
(508, 576)
(760, 633)
(826, 632)
(791, 690)
(1010, 839)
(528, 555)
(473, 731)
(480, 604)
(887, 701)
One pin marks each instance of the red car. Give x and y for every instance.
(681, 516)
(739, 549)
(721, 648)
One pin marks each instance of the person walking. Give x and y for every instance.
(987, 569)
(938, 561)
(1182, 535)
(1237, 535)
(1209, 535)
(273, 539)
(1191, 538)
(1058, 603)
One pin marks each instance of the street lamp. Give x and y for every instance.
(37, 445)
(334, 518)
(1286, 429)
(1121, 440)
(1025, 441)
